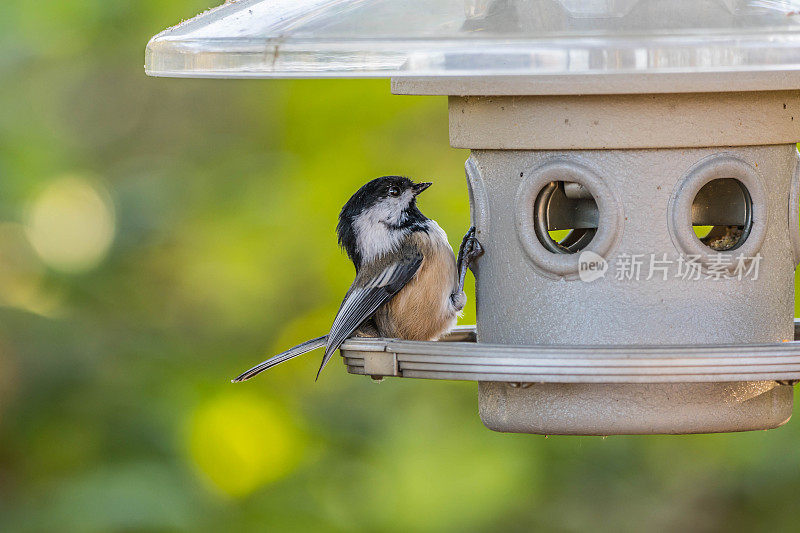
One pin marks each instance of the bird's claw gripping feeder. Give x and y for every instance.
(633, 123)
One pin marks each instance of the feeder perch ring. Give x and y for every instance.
(459, 357)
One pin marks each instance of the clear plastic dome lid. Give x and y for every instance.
(478, 38)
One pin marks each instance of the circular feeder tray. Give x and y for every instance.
(459, 357)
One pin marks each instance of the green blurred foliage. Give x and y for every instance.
(116, 413)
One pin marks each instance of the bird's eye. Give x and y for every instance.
(394, 191)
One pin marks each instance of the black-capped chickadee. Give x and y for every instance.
(408, 283)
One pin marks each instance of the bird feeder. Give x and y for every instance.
(633, 179)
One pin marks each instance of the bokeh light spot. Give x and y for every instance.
(239, 442)
(21, 274)
(71, 224)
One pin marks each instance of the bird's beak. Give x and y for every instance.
(419, 187)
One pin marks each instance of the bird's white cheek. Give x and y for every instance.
(375, 239)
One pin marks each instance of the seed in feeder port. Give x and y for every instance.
(722, 214)
(723, 238)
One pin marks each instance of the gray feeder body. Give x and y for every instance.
(651, 155)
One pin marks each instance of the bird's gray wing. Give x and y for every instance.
(300, 349)
(364, 299)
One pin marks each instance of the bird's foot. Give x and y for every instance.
(469, 251)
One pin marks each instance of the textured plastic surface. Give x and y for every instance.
(271, 38)
(520, 302)
(675, 408)
(625, 121)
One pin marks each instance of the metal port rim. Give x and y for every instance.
(608, 234)
(459, 357)
(708, 169)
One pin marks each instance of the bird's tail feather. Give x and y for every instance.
(291, 353)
